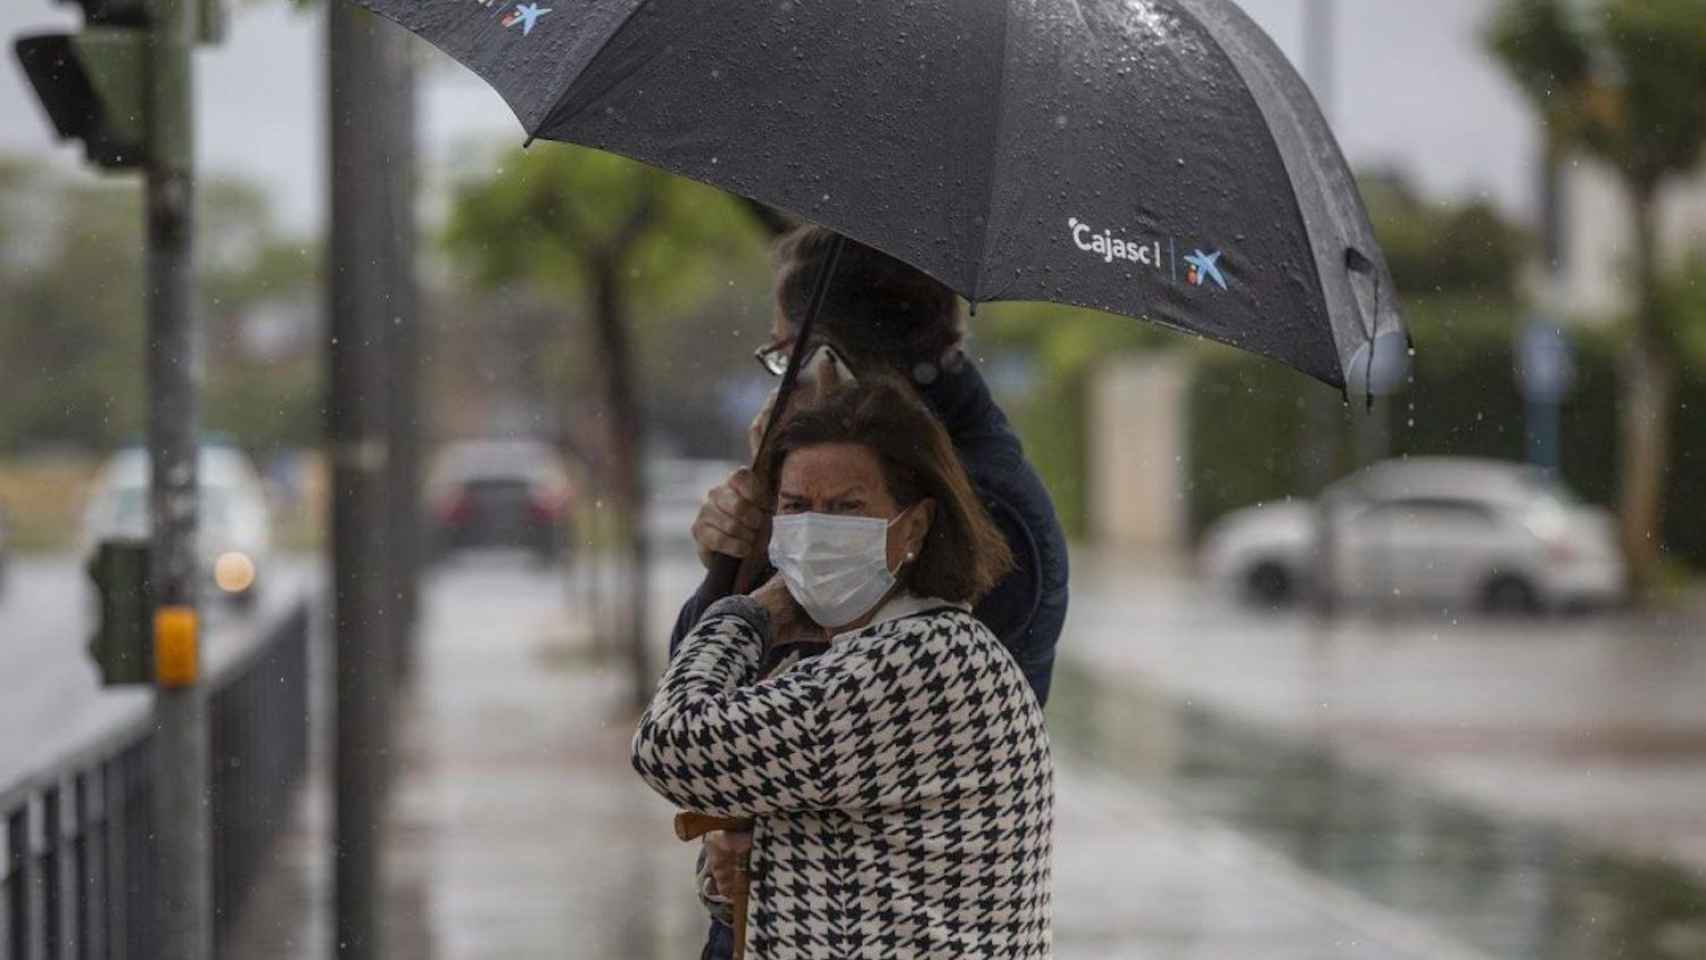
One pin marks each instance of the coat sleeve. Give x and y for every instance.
(846, 730)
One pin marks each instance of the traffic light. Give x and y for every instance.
(92, 83)
(123, 643)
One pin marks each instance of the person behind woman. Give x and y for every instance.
(901, 783)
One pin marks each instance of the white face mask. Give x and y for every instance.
(837, 568)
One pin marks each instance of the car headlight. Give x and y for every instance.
(234, 572)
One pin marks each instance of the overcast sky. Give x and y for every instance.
(1414, 91)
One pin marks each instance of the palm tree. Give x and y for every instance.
(1623, 81)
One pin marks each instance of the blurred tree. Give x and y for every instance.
(71, 329)
(630, 242)
(1625, 81)
(1458, 250)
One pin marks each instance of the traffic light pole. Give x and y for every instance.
(181, 818)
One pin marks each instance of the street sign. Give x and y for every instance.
(1545, 364)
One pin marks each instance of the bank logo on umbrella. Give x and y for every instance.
(1203, 267)
(1108, 247)
(527, 15)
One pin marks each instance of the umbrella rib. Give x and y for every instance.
(549, 116)
(993, 153)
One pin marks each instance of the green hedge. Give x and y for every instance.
(1248, 420)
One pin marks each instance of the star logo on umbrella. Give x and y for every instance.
(1204, 267)
(527, 15)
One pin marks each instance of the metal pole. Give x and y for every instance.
(356, 424)
(403, 351)
(180, 795)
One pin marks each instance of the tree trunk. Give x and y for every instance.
(1649, 390)
(628, 444)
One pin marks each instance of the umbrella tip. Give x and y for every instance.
(528, 142)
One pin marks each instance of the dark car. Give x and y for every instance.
(500, 493)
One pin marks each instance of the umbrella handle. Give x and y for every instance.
(730, 575)
(723, 574)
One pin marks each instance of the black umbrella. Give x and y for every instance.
(1154, 158)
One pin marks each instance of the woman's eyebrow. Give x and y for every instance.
(855, 492)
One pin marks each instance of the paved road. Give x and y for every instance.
(48, 682)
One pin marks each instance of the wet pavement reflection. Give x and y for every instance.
(1510, 888)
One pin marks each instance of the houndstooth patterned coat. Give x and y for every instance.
(901, 785)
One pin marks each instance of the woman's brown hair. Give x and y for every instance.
(963, 554)
(877, 308)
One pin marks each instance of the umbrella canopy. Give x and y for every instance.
(1154, 158)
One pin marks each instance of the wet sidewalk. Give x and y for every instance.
(518, 830)
(1594, 725)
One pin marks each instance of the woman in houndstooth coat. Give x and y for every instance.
(901, 783)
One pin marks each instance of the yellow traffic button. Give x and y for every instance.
(175, 660)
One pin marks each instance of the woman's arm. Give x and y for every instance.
(873, 726)
(714, 742)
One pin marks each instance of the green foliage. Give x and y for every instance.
(1626, 80)
(1683, 302)
(1443, 249)
(71, 327)
(72, 334)
(545, 215)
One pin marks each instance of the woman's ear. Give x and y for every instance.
(917, 525)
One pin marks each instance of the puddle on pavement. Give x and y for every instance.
(1511, 889)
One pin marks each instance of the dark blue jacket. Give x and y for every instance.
(1027, 609)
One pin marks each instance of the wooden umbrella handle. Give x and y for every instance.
(692, 826)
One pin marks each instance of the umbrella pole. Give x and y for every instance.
(729, 574)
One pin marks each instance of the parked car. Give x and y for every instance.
(234, 537)
(496, 493)
(1451, 532)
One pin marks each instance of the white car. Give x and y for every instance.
(1444, 532)
(234, 539)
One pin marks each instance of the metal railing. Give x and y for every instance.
(77, 873)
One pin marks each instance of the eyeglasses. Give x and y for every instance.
(773, 357)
